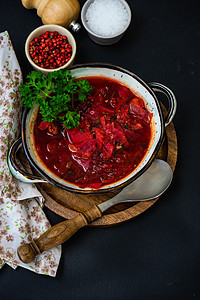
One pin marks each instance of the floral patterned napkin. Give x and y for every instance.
(21, 215)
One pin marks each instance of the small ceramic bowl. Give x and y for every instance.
(102, 39)
(41, 30)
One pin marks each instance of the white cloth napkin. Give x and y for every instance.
(21, 216)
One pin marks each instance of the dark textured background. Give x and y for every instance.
(156, 255)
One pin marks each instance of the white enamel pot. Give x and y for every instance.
(138, 86)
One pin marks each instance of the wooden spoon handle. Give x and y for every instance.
(57, 235)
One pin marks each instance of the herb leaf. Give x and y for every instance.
(55, 94)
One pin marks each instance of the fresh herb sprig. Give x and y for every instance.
(55, 95)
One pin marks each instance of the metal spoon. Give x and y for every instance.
(150, 185)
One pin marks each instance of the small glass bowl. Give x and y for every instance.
(100, 39)
(41, 30)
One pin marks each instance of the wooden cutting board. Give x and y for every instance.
(68, 205)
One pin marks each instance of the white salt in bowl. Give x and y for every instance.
(106, 20)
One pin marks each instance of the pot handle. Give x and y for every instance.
(15, 170)
(158, 87)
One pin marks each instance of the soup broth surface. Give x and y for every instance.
(110, 142)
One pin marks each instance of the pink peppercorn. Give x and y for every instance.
(50, 50)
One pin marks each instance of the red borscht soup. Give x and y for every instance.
(110, 142)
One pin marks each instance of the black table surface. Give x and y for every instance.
(156, 255)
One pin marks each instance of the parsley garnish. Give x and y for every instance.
(55, 95)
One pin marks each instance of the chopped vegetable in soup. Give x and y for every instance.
(110, 142)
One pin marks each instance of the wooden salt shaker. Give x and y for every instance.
(59, 12)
